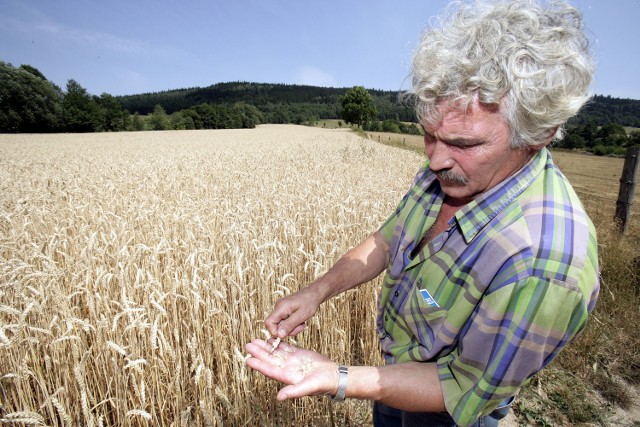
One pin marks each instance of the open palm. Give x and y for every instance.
(305, 372)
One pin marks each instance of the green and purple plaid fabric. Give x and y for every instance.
(494, 298)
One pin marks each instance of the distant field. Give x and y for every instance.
(331, 124)
(135, 266)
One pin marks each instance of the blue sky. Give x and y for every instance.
(127, 47)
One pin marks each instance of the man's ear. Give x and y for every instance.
(552, 134)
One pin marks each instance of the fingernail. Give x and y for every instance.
(282, 332)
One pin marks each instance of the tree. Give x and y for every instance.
(28, 101)
(392, 126)
(250, 116)
(158, 120)
(357, 106)
(206, 116)
(33, 70)
(115, 117)
(81, 111)
(572, 141)
(613, 134)
(194, 117)
(137, 123)
(181, 121)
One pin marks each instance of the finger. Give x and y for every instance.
(275, 318)
(298, 329)
(260, 344)
(272, 366)
(291, 326)
(259, 348)
(293, 392)
(263, 351)
(271, 323)
(267, 368)
(287, 348)
(269, 344)
(301, 389)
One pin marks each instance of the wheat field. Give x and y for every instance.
(135, 266)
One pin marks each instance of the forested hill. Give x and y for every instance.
(29, 102)
(323, 103)
(257, 94)
(603, 110)
(271, 99)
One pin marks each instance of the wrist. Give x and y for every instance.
(319, 291)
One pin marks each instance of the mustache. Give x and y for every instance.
(447, 175)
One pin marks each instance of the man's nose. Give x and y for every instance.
(439, 156)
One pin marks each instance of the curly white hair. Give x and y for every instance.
(532, 60)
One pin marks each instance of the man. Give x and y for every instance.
(490, 258)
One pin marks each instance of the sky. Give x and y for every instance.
(124, 47)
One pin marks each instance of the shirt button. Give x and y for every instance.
(397, 293)
(386, 317)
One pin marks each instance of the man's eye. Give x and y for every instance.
(459, 144)
(463, 144)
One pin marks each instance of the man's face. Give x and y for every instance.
(470, 152)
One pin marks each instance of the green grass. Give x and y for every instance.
(331, 124)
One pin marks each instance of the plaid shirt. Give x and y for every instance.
(494, 298)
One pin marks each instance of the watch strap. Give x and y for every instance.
(343, 372)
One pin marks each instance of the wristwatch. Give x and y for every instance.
(343, 371)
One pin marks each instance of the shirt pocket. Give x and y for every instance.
(424, 317)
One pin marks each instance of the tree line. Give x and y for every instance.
(280, 103)
(607, 140)
(31, 103)
(358, 108)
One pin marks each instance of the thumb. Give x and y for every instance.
(323, 381)
(295, 391)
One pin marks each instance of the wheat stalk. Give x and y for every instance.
(23, 417)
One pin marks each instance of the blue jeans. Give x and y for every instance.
(386, 416)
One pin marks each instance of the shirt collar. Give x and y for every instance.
(474, 216)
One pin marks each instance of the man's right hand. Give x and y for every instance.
(291, 312)
(360, 264)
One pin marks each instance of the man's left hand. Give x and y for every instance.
(305, 372)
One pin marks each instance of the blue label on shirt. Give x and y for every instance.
(428, 298)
